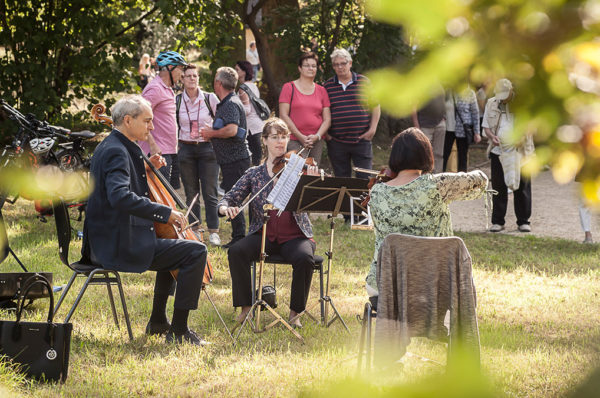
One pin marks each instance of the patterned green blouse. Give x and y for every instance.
(420, 207)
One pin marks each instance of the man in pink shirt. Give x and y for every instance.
(159, 92)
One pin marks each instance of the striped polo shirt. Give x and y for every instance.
(349, 118)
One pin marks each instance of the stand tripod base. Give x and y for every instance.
(337, 315)
(256, 327)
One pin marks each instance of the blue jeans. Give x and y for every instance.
(199, 169)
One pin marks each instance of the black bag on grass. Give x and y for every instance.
(42, 348)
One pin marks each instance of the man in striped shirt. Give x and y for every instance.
(352, 125)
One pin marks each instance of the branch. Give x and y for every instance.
(338, 25)
(135, 23)
(255, 9)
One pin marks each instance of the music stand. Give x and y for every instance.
(333, 196)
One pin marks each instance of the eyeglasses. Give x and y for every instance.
(340, 65)
(310, 66)
(275, 137)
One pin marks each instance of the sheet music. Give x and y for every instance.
(283, 190)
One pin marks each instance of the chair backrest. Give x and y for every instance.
(63, 230)
(422, 281)
(3, 238)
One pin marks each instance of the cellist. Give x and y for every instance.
(119, 224)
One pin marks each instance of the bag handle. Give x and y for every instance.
(42, 280)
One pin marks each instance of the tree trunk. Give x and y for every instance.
(271, 49)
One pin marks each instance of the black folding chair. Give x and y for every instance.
(276, 259)
(94, 275)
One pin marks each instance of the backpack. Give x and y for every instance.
(178, 99)
(260, 106)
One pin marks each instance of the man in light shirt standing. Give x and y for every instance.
(498, 124)
(159, 92)
(252, 57)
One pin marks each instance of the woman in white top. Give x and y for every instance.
(253, 121)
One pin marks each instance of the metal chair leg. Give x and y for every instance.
(79, 296)
(112, 300)
(369, 341)
(125, 313)
(321, 292)
(361, 344)
(64, 293)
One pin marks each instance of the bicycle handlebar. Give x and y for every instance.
(31, 123)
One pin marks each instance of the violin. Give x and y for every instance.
(280, 162)
(160, 191)
(383, 175)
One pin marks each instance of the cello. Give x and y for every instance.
(160, 191)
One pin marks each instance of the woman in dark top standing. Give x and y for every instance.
(289, 235)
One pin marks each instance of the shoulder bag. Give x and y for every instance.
(41, 348)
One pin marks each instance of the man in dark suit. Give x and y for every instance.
(119, 225)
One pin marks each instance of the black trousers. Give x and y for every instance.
(232, 172)
(255, 145)
(342, 155)
(522, 196)
(462, 147)
(298, 252)
(189, 257)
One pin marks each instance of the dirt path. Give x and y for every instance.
(555, 211)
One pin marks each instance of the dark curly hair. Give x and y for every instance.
(247, 68)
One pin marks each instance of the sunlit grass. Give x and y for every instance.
(537, 304)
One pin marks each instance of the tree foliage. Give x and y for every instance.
(549, 49)
(55, 52)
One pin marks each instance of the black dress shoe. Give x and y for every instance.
(153, 328)
(188, 337)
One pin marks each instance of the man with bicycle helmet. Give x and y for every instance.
(159, 92)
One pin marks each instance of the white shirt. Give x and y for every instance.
(505, 123)
(253, 121)
(252, 57)
(195, 110)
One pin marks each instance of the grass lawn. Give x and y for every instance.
(538, 302)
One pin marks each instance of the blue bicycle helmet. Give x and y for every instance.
(167, 58)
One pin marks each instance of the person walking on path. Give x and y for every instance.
(505, 156)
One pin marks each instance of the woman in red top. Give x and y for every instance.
(304, 107)
(289, 235)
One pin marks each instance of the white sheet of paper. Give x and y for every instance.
(282, 191)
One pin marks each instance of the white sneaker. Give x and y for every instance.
(214, 239)
(496, 228)
(525, 228)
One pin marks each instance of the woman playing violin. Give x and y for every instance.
(415, 202)
(289, 235)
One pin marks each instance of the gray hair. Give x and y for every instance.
(131, 105)
(341, 53)
(227, 76)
